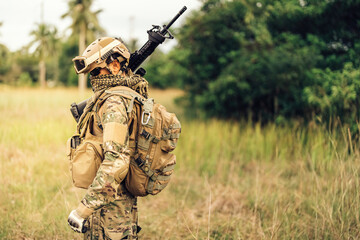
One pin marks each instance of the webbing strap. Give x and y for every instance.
(84, 118)
(132, 144)
(144, 143)
(160, 186)
(170, 136)
(131, 106)
(169, 168)
(175, 135)
(98, 120)
(155, 140)
(163, 178)
(128, 93)
(147, 110)
(145, 166)
(150, 186)
(83, 124)
(175, 125)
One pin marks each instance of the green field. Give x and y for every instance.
(233, 180)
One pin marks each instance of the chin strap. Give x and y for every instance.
(123, 68)
(109, 70)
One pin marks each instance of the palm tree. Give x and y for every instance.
(85, 26)
(45, 40)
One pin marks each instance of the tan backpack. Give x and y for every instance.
(153, 135)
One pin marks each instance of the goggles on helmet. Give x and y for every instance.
(82, 63)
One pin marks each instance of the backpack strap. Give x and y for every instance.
(147, 109)
(85, 117)
(128, 93)
(119, 90)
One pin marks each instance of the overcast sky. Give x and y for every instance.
(19, 17)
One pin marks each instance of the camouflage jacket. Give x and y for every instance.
(115, 165)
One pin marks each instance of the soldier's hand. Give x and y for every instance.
(76, 222)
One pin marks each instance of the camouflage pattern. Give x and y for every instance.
(115, 215)
(117, 220)
(135, 82)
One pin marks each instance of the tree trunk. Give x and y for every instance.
(42, 73)
(82, 46)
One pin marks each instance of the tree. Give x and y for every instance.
(5, 65)
(67, 75)
(85, 26)
(261, 59)
(45, 40)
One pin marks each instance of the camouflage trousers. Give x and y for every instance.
(117, 220)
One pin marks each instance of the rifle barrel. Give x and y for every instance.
(173, 20)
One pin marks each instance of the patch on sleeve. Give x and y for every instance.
(116, 132)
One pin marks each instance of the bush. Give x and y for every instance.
(24, 80)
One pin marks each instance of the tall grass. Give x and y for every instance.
(234, 180)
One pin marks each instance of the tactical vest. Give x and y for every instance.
(153, 135)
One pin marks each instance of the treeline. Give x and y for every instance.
(268, 60)
(46, 60)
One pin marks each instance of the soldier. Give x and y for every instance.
(108, 210)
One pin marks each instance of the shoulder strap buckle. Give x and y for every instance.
(148, 106)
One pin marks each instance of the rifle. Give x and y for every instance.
(156, 37)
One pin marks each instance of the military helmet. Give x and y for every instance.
(101, 52)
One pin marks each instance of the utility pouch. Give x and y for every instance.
(85, 162)
(85, 153)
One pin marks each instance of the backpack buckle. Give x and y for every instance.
(148, 106)
(75, 142)
(145, 134)
(139, 162)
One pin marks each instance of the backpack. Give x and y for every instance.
(153, 135)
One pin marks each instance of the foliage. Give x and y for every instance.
(160, 70)
(16, 63)
(262, 58)
(82, 16)
(5, 56)
(335, 94)
(84, 27)
(45, 40)
(69, 49)
(24, 80)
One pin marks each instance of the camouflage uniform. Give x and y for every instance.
(114, 209)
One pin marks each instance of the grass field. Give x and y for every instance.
(233, 180)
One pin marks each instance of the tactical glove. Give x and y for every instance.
(76, 222)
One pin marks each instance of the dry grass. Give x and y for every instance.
(233, 180)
